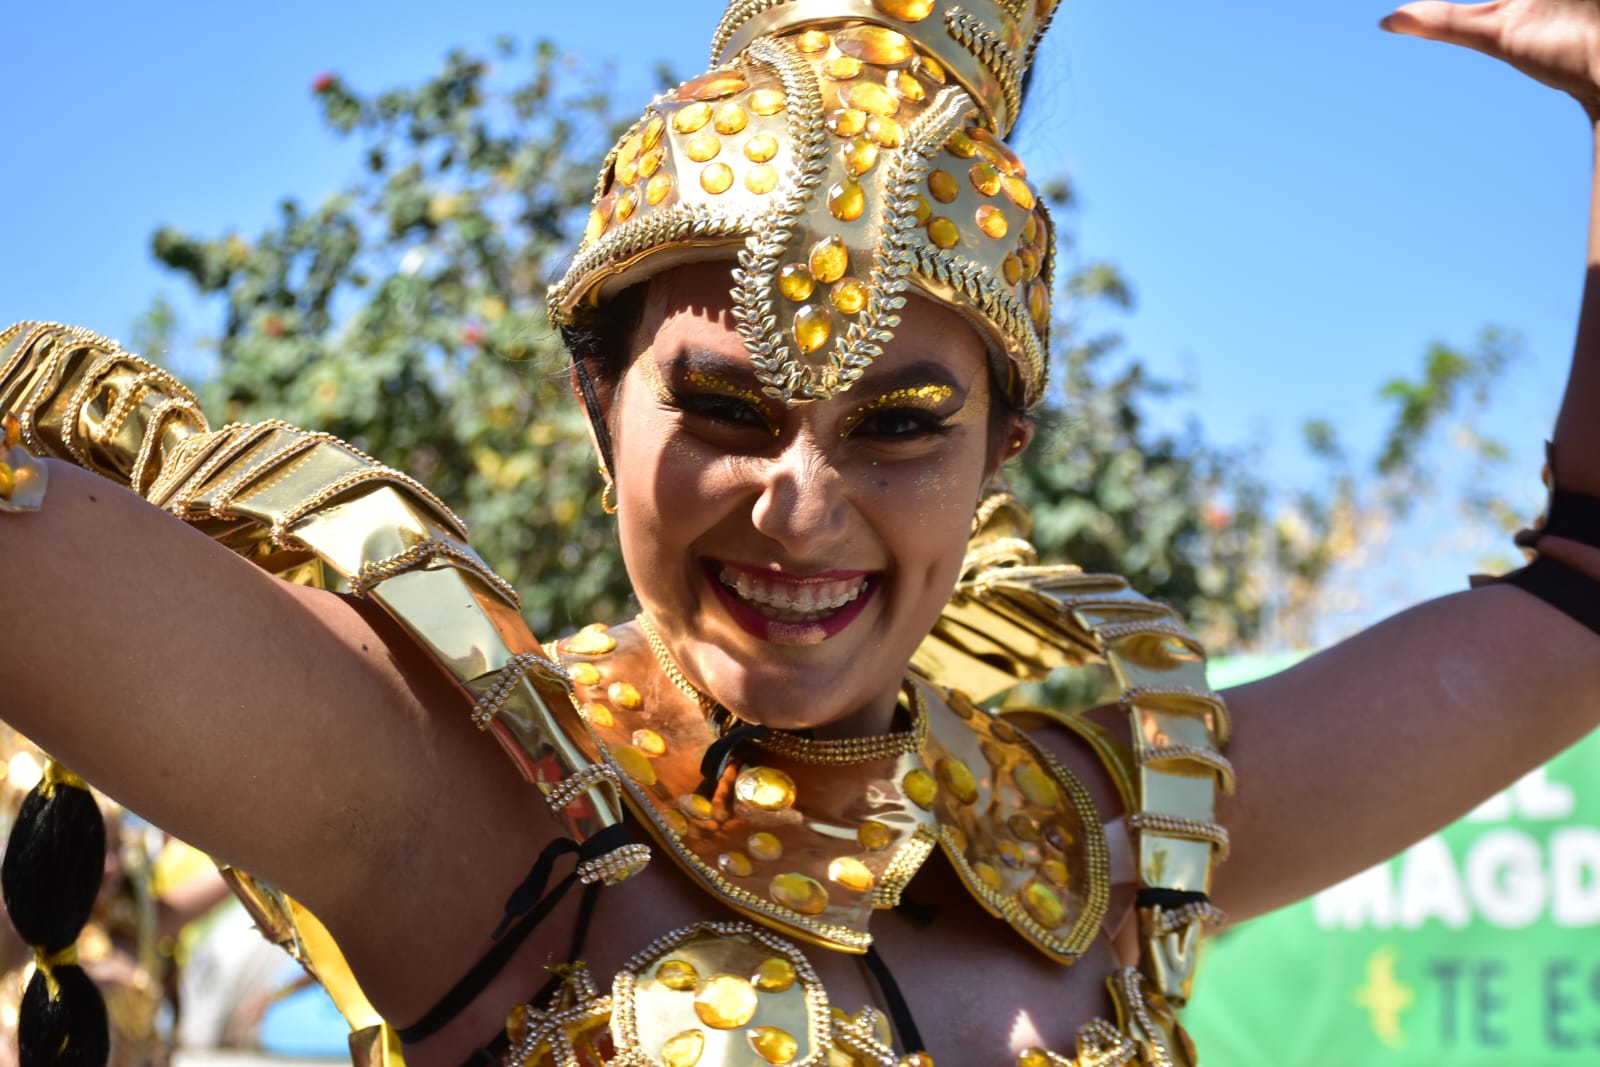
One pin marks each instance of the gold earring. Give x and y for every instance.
(608, 502)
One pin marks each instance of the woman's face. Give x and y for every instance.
(794, 556)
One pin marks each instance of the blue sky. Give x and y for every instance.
(1301, 201)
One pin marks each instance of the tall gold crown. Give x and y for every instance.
(841, 151)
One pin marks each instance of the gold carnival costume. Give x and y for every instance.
(843, 151)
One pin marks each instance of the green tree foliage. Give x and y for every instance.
(406, 315)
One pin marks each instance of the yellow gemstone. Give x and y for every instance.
(996, 151)
(766, 101)
(886, 131)
(878, 45)
(1041, 902)
(765, 787)
(1055, 871)
(905, 10)
(760, 148)
(1004, 731)
(713, 86)
(920, 787)
(517, 1022)
(596, 225)
(932, 68)
(716, 178)
(812, 327)
(1020, 192)
(695, 806)
(802, 893)
(1033, 1057)
(657, 188)
(992, 221)
(943, 186)
(693, 117)
(765, 846)
(842, 68)
(652, 133)
(1030, 264)
(1030, 229)
(956, 776)
(736, 864)
(584, 673)
(703, 146)
(829, 260)
(678, 974)
(592, 640)
(634, 764)
(794, 282)
(774, 975)
(1023, 828)
(649, 742)
(725, 1002)
(624, 695)
(961, 145)
(1039, 304)
(1012, 856)
(683, 1050)
(849, 296)
(847, 200)
(730, 118)
(625, 205)
(850, 873)
(943, 232)
(812, 42)
(1059, 837)
(674, 822)
(859, 157)
(598, 715)
(870, 97)
(846, 122)
(651, 161)
(628, 171)
(985, 178)
(1011, 267)
(987, 875)
(772, 1044)
(916, 1059)
(921, 210)
(906, 84)
(1037, 786)
(761, 179)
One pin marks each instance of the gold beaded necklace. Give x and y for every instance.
(844, 750)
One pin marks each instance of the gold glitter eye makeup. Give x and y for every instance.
(923, 399)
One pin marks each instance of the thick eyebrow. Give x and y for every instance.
(712, 364)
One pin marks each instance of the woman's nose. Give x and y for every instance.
(801, 503)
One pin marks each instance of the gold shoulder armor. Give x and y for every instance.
(1011, 621)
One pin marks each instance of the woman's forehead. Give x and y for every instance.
(690, 308)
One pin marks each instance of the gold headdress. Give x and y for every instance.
(844, 150)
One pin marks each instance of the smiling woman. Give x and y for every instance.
(807, 320)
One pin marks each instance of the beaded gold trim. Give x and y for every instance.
(563, 793)
(507, 679)
(1207, 757)
(1178, 826)
(621, 861)
(421, 555)
(991, 51)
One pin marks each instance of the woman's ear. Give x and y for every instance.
(1018, 432)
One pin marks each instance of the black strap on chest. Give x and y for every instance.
(905, 1027)
(528, 905)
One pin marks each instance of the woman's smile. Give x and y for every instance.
(790, 609)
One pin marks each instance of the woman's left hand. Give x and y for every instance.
(1555, 41)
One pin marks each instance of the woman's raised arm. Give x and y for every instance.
(1356, 753)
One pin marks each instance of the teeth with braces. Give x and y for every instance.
(808, 605)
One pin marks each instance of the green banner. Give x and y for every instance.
(1478, 946)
